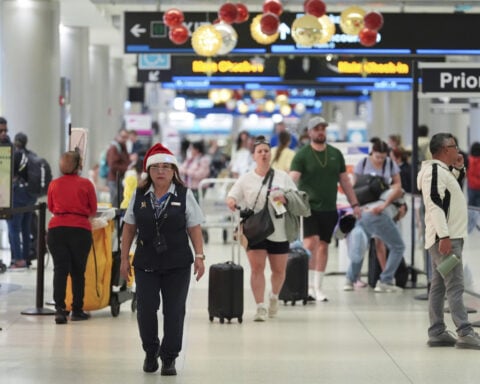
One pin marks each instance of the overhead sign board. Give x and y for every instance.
(144, 32)
(450, 79)
(246, 72)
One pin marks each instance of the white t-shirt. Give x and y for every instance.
(245, 191)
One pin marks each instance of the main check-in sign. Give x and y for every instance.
(451, 79)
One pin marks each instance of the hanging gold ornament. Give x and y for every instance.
(351, 20)
(258, 35)
(306, 30)
(328, 29)
(206, 40)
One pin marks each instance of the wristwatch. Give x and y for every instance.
(200, 256)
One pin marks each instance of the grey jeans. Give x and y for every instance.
(453, 287)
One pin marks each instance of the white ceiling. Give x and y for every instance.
(101, 15)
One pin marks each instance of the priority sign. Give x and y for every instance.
(451, 79)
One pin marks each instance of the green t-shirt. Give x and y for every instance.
(320, 174)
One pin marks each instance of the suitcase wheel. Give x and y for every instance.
(240, 320)
(115, 305)
(222, 320)
(293, 302)
(305, 301)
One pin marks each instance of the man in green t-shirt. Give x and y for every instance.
(317, 168)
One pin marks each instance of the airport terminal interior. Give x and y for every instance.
(355, 337)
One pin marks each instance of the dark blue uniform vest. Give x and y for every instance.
(174, 229)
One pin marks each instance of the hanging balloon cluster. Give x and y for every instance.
(220, 38)
(355, 21)
(264, 27)
(178, 32)
(315, 27)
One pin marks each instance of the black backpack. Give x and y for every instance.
(39, 175)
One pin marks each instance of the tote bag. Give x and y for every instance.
(259, 226)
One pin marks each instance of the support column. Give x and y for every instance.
(118, 94)
(100, 131)
(74, 44)
(31, 74)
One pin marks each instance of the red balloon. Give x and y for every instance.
(228, 13)
(373, 20)
(173, 17)
(179, 34)
(368, 37)
(315, 8)
(273, 6)
(242, 13)
(269, 23)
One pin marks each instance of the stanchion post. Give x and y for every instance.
(41, 250)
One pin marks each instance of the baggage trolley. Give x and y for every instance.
(103, 284)
(212, 194)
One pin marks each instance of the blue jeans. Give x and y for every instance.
(383, 227)
(19, 226)
(473, 197)
(452, 286)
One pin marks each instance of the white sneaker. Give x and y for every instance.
(261, 314)
(273, 307)
(385, 288)
(320, 296)
(348, 285)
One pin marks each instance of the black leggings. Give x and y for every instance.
(69, 247)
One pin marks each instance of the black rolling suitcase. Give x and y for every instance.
(295, 286)
(225, 289)
(374, 268)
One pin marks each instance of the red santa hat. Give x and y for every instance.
(157, 154)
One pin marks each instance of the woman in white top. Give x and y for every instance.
(275, 247)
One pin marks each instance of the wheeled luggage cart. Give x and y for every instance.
(103, 284)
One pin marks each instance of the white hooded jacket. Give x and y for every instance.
(446, 213)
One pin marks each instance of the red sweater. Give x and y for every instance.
(72, 200)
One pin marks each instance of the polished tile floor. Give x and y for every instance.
(357, 337)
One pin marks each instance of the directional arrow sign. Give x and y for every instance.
(284, 30)
(154, 76)
(137, 30)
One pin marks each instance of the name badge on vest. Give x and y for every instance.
(176, 203)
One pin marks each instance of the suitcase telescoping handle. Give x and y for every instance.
(237, 228)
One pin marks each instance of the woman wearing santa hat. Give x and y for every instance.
(162, 214)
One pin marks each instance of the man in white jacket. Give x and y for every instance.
(446, 220)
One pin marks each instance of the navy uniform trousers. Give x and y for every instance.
(173, 286)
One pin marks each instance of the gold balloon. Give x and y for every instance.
(206, 40)
(306, 30)
(258, 35)
(351, 20)
(328, 29)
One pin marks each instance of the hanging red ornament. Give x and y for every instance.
(273, 6)
(373, 20)
(179, 34)
(228, 13)
(269, 24)
(173, 17)
(242, 13)
(315, 8)
(368, 37)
